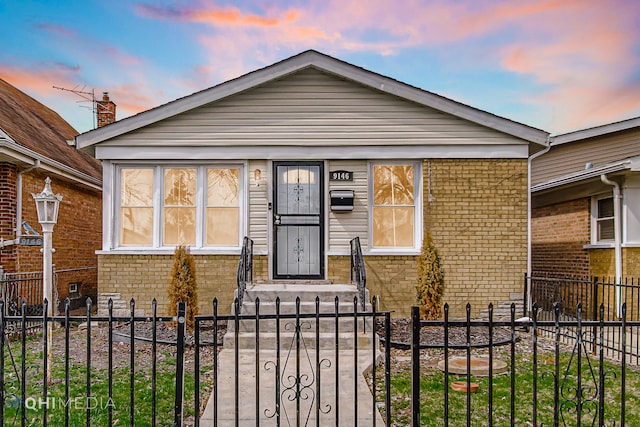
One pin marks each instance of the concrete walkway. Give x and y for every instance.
(338, 379)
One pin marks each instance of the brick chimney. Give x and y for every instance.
(105, 110)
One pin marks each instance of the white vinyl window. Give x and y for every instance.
(394, 205)
(603, 220)
(166, 206)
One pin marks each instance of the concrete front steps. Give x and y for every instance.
(502, 311)
(352, 331)
(328, 377)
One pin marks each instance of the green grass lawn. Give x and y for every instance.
(432, 396)
(99, 402)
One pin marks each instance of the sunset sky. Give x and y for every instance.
(558, 65)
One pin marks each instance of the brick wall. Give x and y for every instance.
(631, 263)
(76, 236)
(8, 255)
(478, 220)
(391, 278)
(145, 277)
(558, 235)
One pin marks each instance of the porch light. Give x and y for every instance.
(47, 205)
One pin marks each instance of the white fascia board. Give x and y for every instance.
(321, 62)
(582, 175)
(25, 155)
(156, 153)
(595, 131)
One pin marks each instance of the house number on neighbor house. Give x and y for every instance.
(341, 176)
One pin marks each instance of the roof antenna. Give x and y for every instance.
(87, 96)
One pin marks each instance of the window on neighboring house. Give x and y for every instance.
(197, 206)
(393, 211)
(604, 219)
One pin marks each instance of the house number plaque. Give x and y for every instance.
(341, 176)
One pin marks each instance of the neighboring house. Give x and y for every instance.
(275, 154)
(586, 203)
(35, 144)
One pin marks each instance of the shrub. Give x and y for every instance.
(183, 286)
(430, 286)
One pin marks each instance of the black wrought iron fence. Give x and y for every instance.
(313, 367)
(17, 288)
(592, 295)
(530, 381)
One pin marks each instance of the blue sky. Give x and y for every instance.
(558, 65)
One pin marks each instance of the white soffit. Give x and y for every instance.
(327, 152)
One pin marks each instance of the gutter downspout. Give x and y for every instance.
(36, 165)
(617, 239)
(529, 162)
(18, 229)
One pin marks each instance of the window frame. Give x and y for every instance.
(595, 220)
(417, 205)
(158, 205)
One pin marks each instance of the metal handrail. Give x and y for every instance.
(358, 271)
(245, 269)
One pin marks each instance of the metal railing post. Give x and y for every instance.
(415, 366)
(178, 407)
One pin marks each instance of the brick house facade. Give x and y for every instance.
(577, 229)
(241, 158)
(33, 146)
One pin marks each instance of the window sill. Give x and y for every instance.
(391, 252)
(171, 251)
(599, 246)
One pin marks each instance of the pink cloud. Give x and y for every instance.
(41, 79)
(132, 99)
(57, 29)
(212, 15)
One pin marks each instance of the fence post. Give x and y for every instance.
(526, 307)
(178, 408)
(415, 366)
(3, 290)
(594, 313)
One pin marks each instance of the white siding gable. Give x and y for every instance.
(316, 113)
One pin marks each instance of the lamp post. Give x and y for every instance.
(47, 205)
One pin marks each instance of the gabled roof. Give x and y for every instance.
(595, 131)
(324, 63)
(31, 132)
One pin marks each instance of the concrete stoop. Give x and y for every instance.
(335, 388)
(502, 311)
(325, 299)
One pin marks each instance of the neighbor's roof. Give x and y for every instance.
(596, 131)
(31, 132)
(324, 63)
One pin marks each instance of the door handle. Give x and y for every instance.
(276, 220)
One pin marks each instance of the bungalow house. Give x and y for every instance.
(35, 144)
(302, 156)
(586, 203)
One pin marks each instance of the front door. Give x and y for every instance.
(298, 223)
